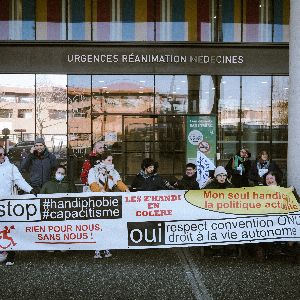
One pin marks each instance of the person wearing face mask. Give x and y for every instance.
(59, 184)
(39, 163)
(103, 177)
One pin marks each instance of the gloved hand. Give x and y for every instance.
(33, 192)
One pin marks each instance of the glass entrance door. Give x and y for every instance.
(159, 137)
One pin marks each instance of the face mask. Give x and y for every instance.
(59, 177)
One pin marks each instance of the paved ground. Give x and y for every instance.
(147, 274)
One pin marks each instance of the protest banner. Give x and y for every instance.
(164, 219)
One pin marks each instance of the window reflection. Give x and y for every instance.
(17, 20)
(280, 95)
(171, 94)
(229, 116)
(231, 21)
(123, 20)
(186, 20)
(281, 20)
(79, 112)
(79, 21)
(51, 19)
(16, 110)
(123, 94)
(257, 21)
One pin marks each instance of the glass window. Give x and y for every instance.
(79, 111)
(231, 21)
(17, 20)
(281, 20)
(123, 20)
(13, 111)
(256, 113)
(257, 21)
(51, 19)
(186, 20)
(123, 94)
(171, 94)
(280, 95)
(25, 113)
(79, 21)
(228, 117)
(51, 95)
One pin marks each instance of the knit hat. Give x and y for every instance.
(39, 140)
(220, 170)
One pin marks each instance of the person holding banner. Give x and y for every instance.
(238, 167)
(148, 179)
(103, 177)
(189, 179)
(262, 166)
(9, 177)
(220, 180)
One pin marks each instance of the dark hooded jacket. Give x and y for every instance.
(39, 167)
(187, 183)
(149, 182)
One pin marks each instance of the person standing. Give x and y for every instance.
(9, 177)
(98, 149)
(188, 181)
(103, 177)
(238, 168)
(262, 166)
(148, 179)
(39, 163)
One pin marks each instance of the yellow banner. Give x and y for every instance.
(255, 200)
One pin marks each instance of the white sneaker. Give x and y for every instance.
(107, 253)
(97, 254)
(3, 256)
(9, 263)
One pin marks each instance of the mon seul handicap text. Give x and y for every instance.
(81, 208)
(238, 200)
(153, 204)
(230, 230)
(67, 232)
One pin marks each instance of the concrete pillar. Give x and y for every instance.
(293, 166)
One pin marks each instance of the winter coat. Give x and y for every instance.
(54, 186)
(187, 183)
(87, 165)
(267, 166)
(239, 178)
(104, 178)
(39, 168)
(10, 176)
(214, 184)
(149, 182)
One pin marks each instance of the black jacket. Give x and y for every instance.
(152, 182)
(254, 175)
(39, 167)
(216, 185)
(187, 183)
(237, 179)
